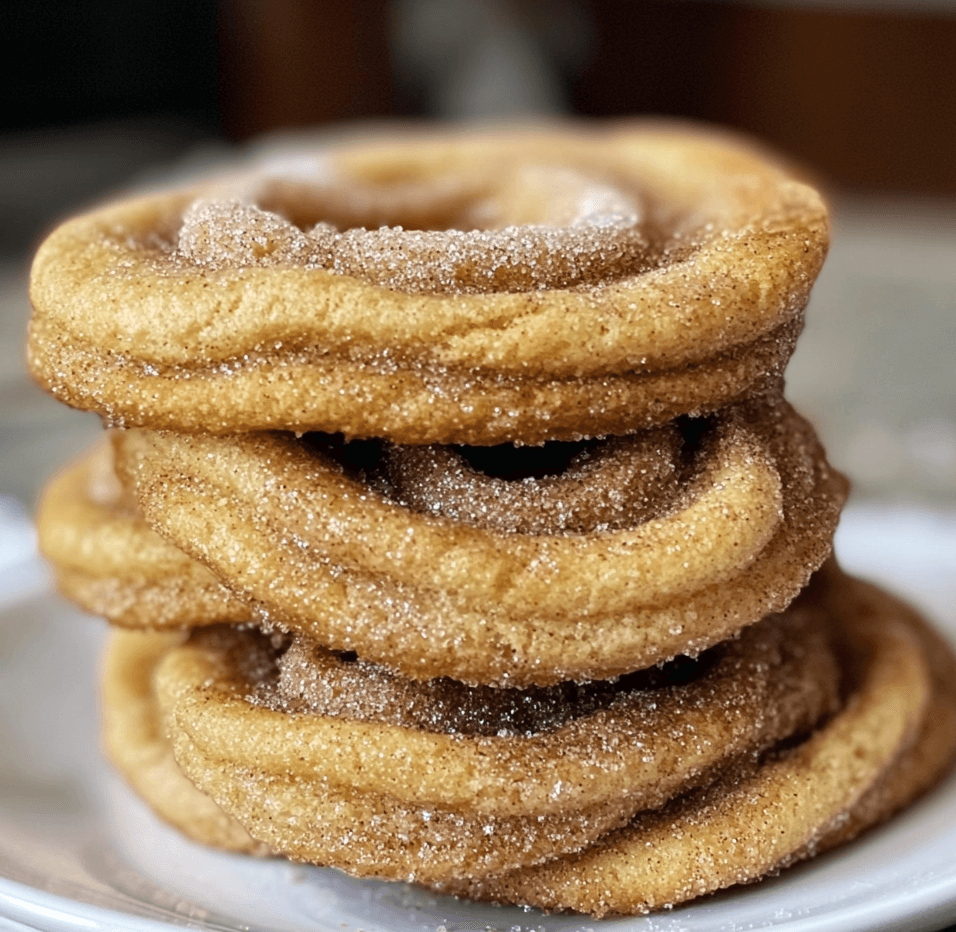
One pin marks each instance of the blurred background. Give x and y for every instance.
(112, 93)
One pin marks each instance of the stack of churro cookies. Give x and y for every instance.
(454, 526)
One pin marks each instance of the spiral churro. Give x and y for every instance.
(319, 550)
(439, 780)
(675, 283)
(892, 736)
(501, 563)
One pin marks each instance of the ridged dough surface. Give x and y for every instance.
(135, 741)
(110, 563)
(475, 289)
(351, 766)
(894, 738)
(318, 548)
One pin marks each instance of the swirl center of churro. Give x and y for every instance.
(309, 678)
(537, 227)
(556, 488)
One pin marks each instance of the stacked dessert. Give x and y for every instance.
(460, 528)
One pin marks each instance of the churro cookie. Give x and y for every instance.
(813, 726)
(734, 517)
(337, 761)
(483, 289)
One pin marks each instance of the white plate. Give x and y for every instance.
(78, 852)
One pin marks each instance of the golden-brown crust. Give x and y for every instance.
(110, 563)
(921, 766)
(127, 324)
(136, 743)
(319, 551)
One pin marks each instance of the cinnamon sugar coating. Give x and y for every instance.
(391, 778)
(109, 562)
(616, 278)
(603, 486)
(134, 739)
(325, 551)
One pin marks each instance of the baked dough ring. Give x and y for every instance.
(894, 738)
(135, 742)
(380, 779)
(698, 301)
(318, 550)
(110, 563)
